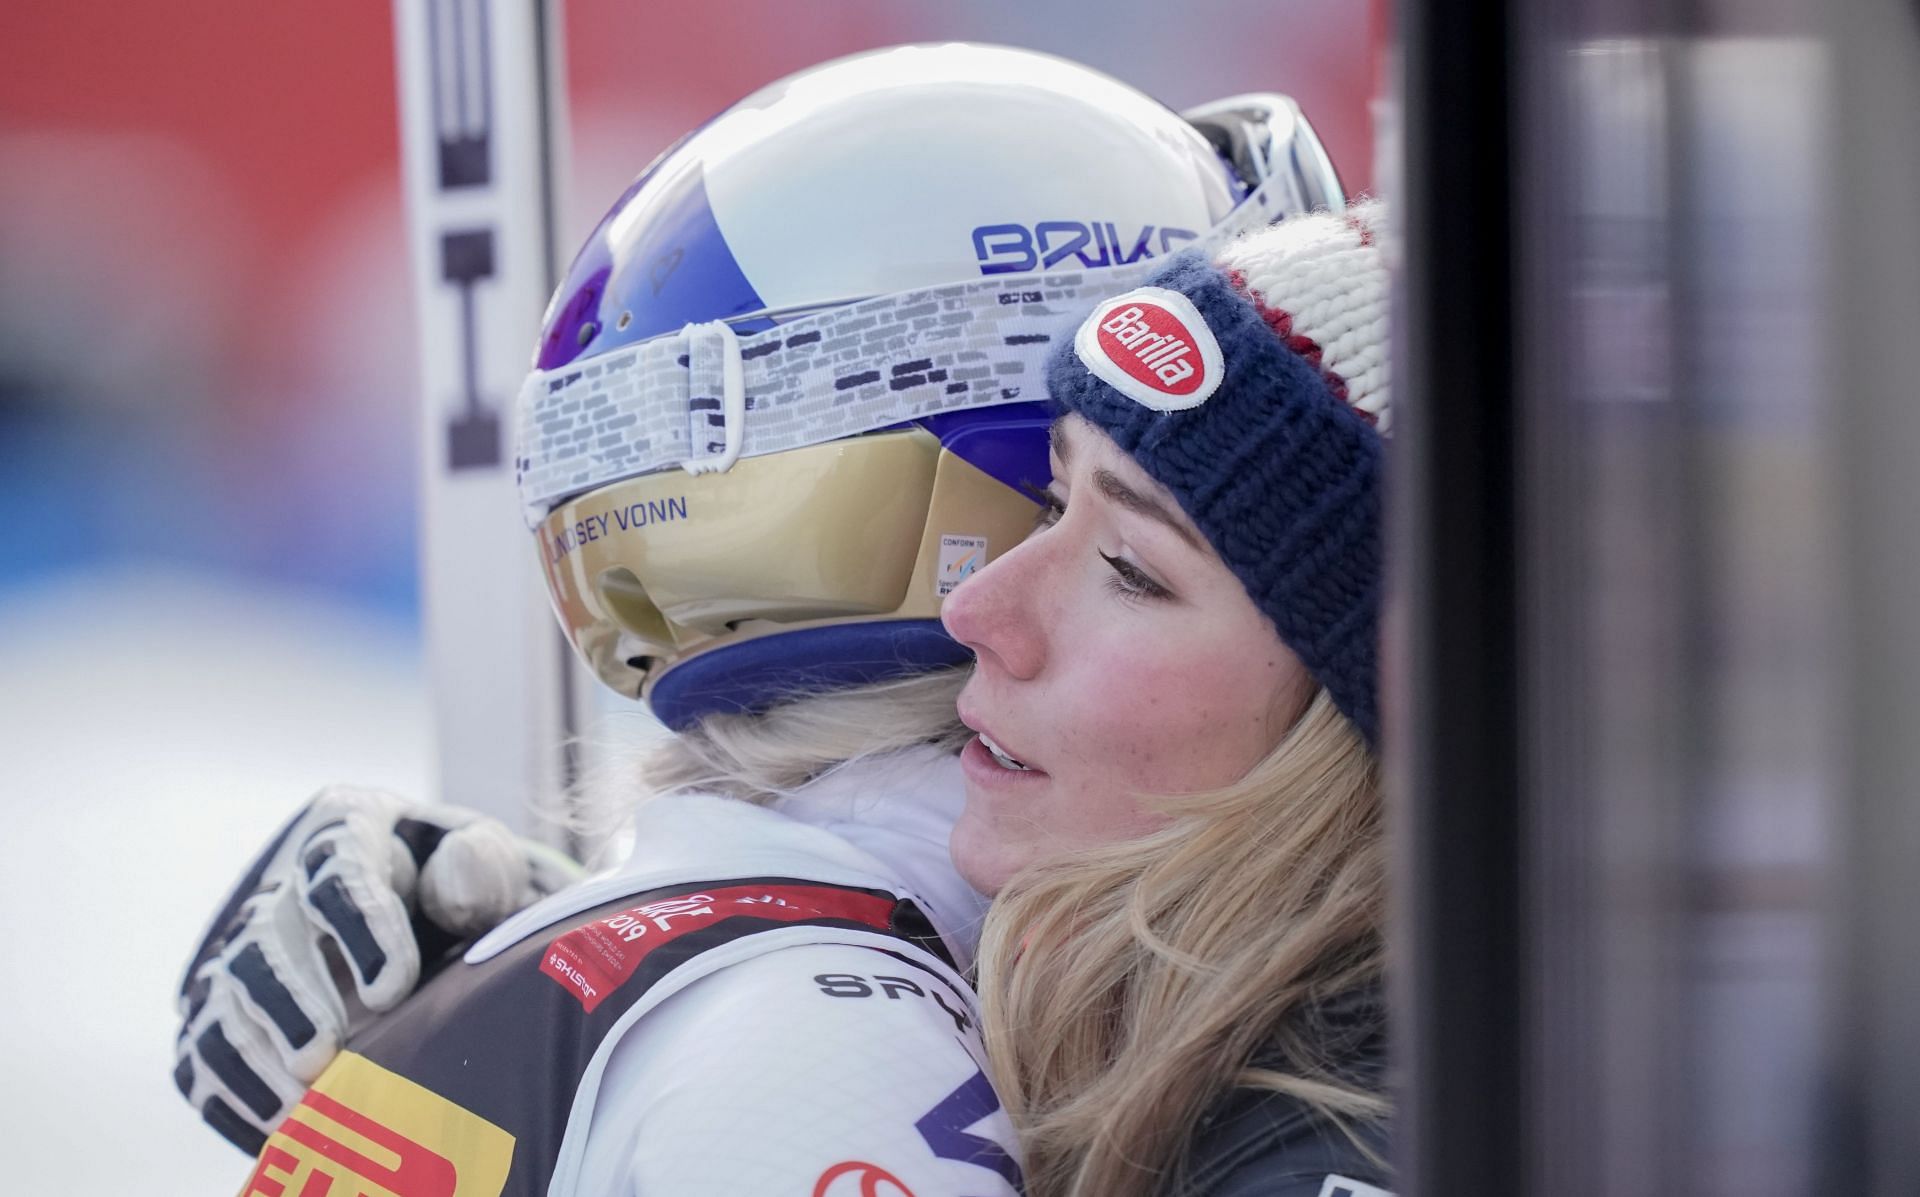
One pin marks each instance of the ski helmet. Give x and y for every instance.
(789, 392)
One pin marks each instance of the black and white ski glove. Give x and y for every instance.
(333, 922)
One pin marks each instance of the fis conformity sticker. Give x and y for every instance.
(959, 557)
(1152, 346)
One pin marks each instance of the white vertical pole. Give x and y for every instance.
(481, 116)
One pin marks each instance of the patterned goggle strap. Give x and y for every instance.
(706, 396)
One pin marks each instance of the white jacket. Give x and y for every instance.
(811, 1061)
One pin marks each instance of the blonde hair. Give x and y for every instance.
(762, 756)
(1126, 988)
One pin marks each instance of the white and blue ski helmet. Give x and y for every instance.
(789, 392)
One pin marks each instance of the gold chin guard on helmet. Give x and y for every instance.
(647, 572)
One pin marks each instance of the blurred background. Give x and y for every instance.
(210, 419)
(1653, 760)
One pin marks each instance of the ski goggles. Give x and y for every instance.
(702, 398)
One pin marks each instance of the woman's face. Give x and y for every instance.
(1118, 656)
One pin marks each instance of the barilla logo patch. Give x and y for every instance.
(1152, 346)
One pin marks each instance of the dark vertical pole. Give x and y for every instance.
(1459, 1000)
(1871, 1147)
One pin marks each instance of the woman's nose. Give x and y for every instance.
(994, 611)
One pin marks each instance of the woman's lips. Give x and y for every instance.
(1002, 757)
(977, 761)
(990, 758)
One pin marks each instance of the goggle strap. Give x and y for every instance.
(706, 396)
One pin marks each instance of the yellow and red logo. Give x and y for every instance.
(363, 1131)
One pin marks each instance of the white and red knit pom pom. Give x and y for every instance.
(1321, 282)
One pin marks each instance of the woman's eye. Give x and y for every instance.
(1052, 507)
(1129, 581)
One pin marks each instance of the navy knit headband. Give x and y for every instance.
(1254, 388)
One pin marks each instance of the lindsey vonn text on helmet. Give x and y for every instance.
(620, 519)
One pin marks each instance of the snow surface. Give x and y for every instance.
(155, 727)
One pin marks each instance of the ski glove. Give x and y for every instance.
(331, 924)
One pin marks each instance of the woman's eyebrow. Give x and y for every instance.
(1058, 441)
(1110, 484)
